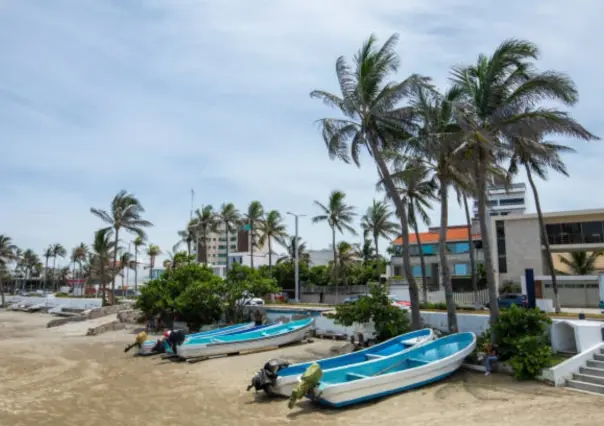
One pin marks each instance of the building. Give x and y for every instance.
(516, 245)
(320, 257)
(238, 242)
(503, 201)
(458, 256)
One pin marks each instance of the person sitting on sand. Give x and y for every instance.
(138, 342)
(490, 358)
(174, 338)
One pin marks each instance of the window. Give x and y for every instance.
(460, 269)
(500, 228)
(417, 270)
(429, 249)
(571, 233)
(222, 247)
(592, 232)
(397, 271)
(490, 203)
(459, 248)
(233, 246)
(233, 239)
(501, 248)
(511, 201)
(503, 265)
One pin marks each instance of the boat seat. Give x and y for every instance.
(411, 342)
(354, 376)
(373, 356)
(419, 362)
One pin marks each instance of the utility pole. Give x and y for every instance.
(296, 256)
(192, 203)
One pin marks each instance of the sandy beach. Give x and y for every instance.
(61, 377)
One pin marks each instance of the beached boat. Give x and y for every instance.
(272, 336)
(385, 376)
(148, 347)
(287, 378)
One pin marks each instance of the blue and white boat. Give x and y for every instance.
(287, 378)
(392, 374)
(147, 347)
(276, 335)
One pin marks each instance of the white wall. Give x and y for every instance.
(53, 302)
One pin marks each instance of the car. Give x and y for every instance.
(354, 298)
(509, 299)
(398, 302)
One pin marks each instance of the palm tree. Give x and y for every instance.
(339, 216)
(536, 156)
(7, 255)
(138, 243)
(57, 251)
(31, 261)
(187, 236)
(253, 218)
(47, 255)
(366, 251)
(347, 256)
(152, 251)
(81, 256)
(103, 250)
(377, 224)
(496, 93)
(581, 262)
(126, 212)
(374, 119)
(230, 217)
(290, 246)
(207, 222)
(271, 228)
(462, 198)
(126, 262)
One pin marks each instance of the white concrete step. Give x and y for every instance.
(588, 378)
(596, 364)
(592, 371)
(585, 386)
(599, 357)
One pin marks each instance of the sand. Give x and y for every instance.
(60, 377)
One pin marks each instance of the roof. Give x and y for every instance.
(454, 233)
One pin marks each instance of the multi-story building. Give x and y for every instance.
(458, 256)
(503, 200)
(217, 243)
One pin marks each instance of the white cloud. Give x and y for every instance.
(164, 96)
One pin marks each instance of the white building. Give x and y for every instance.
(320, 257)
(244, 258)
(238, 242)
(503, 201)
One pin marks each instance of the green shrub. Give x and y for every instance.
(441, 306)
(61, 294)
(532, 355)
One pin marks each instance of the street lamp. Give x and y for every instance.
(296, 257)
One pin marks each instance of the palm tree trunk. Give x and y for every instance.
(251, 233)
(227, 248)
(102, 282)
(442, 250)
(2, 292)
(376, 238)
(422, 262)
(481, 183)
(472, 253)
(135, 269)
(270, 255)
(205, 246)
(113, 274)
(46, 274)
(54, 273)
(402, 214)
(545, 239)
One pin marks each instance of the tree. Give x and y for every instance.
(290, 246)
(377, 223)
(57, 251)
(7, 255)
(496, 93)
(347, 257)
(47, 255)
(207, 222)
(253, 219)
(138, 244)
(229, 216)
(187, 236)
(374, 119)
(339, 216)
(271, 228)
(125, 213)
(103, 250)
(366, 251)
(581, 262)
(152, 251)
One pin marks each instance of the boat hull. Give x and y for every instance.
(202, 350)
(285, 384)
(357, 391)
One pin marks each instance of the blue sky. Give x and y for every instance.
(161, 96)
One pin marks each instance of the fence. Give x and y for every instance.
(470, 298)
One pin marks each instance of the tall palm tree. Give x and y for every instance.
(366, 251)
(377, 223)
(373, 118)
(347, 256)
(497, 91)
(152, 251)
(126, 261)
(187, 236)
(207, 223)
(47, 255)
(581, 262)
(535, 156)
(138, 243)
(103, 250)
(57, 251)
(253, 218)
(271, 228)
(290, 246)
(81, 256)
(230, 217)
(7, 255)
(462, 198)
(340, 217)
(125, 213)
(31, 261)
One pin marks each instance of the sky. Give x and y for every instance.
(159, 97)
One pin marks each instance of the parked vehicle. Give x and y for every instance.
(354, 298)
(509, 299)
(398, 302)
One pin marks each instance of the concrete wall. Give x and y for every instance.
(66, 302)
(523, 248)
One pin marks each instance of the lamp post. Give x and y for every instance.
(296, 257)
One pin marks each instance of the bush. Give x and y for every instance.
(61, 294)
(389, 321)
(533, 354)
(441, 306)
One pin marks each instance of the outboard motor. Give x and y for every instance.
(266, 377)
(175, 338)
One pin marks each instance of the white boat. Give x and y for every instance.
(147, 348)
(389, 375)
(277, 335)
(287, 378)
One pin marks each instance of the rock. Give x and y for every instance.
(113, 325)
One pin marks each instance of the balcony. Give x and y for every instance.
(451, 258)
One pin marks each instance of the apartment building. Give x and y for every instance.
(217, 243)
(503, 201)
(458, 256)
